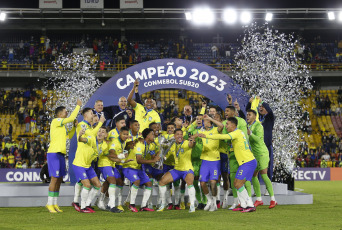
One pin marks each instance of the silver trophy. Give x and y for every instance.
(165, 146)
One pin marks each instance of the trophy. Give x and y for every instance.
(165, 146)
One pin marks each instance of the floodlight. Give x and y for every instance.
(188, 16)
(203, 16)
(229, 16)
(268, 17)
(2, 16)
(331, 15)
(246, 17)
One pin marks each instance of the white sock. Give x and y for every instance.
(146, 196)
(162, 194)
(78, 189)
(101, 197)
(258, 199)
(111, 192)
(244, 199)
(134, 192)
(272, 198)
(214, 199)
(209, 200)
(91, 196)
(50, 200)
(168, 195)
(120, 196)
(192, 195)
(54, 201)
(182, 196)
(128, 195)
(177, 195)
(226, 193)
(84, 197)
(218, 196)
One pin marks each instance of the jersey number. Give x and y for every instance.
(240, 172)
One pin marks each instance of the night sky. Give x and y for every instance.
(192, 3)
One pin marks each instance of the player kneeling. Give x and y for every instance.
(183, 169)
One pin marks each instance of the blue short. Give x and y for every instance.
(56, 164)
(167, 168)
(151, 171)
(246, 170)
(210, 170)
(117, 172)
(107, 171)
(136, 174)
(84, 173)
(176, 175)
(224, 162)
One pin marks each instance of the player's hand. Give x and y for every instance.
(236, 105)
(82, 132)
(205, 116)
(201, 135)
(251, 99)
(204, 104)
(249, 132)
(128, 160)
(75, 123)
(257, 97)
(136, 83)
(229, 99)
(79, 102)
(102, 118)
(186, 124)
(156, 158)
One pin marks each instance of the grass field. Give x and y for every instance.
(325, 213)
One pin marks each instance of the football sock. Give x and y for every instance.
(146, 196)
(198, 191)
(162, 193)
(248, 188)
(78, 189)
(50, 198)
(134, 192)
(191, 191)
(84, 197)
(234, 191)
(177, 195)
(182, 191)
(256, 186)
(119, 195)
(55, 198)
(218, 195)
(92, 194)
(268, 184)
(111, 192)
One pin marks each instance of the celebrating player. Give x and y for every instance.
(57, 151)
(245, 158)
(260, 151)
(183, 169)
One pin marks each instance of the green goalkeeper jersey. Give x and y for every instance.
(256, 139)
(197, 149)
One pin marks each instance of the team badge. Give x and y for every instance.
(139, 149)
(84, 175)
(83, 126)
(135, 176)
(113, 145)
(150, 119)
(57, 173)
(59, 119)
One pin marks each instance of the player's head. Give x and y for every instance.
(262, 110)
(187, 110)
(61, 112)
(230, 111)
(170, 128)
(102, 133)
(199, 120)
(212, 110)
(95, 119)
(88, 115)
(231, 124)
(120, 122)
(177, 121)
(149, 103)
(154, 104)
(155, 127)
(178, 135)
(98, 106)
(135, 126)
(124, 132)
(148, 135)
(218, 117)
(251, 116)
(122, 102)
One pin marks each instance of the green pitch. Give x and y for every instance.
(324, 213)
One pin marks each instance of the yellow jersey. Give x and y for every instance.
(210, 150)
(59, 133)
(86, 152)
(182, 155)
(240, 144)
(145, 118)
(118, 147)
(10, 159)
(132, 137)
(114, 133)
(139, 149)
(103, 152)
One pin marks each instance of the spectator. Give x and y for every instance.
(214, 50)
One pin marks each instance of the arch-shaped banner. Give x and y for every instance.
(166, 74)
